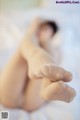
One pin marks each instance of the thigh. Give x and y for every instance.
(13, 79)
(32, 99)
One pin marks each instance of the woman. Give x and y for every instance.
(31, 77)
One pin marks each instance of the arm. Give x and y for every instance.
(39, 61)
(30, 45)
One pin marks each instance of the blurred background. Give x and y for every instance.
(15, 16)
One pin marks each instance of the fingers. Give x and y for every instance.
(58, 91)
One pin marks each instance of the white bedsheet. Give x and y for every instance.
(12, 27)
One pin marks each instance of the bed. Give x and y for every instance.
(12, 27)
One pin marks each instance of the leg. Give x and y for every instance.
(40, 92)
(32, 98)
(12, 81)
(14, 75)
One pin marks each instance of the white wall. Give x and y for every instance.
(18, 4)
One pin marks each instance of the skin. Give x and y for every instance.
(19, 90)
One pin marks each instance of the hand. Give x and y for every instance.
(35, 24)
